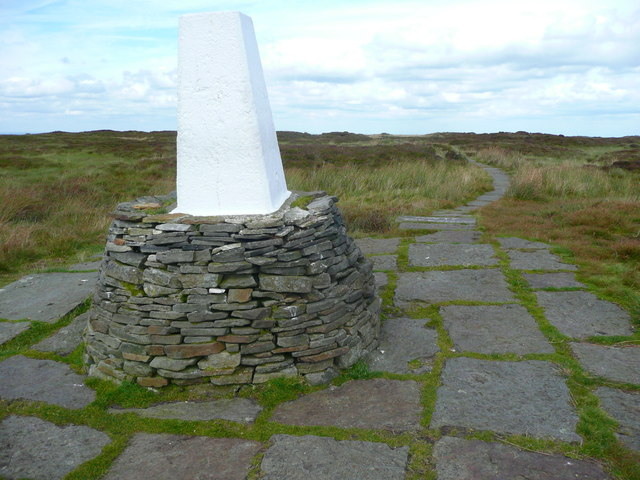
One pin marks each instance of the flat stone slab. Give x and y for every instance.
(85, 266)
(467, 219)
(621, 364)
(522, 398)
(434, 226)
(45, 296)
(552, 280)
(582, 314)
(510, 243)
(378, 404)
(624, 407)
(486, 285)
(323, 458)
(378, 245)
(169, 457)
(435, 255)
(381, 279)
(37, 449)
(494, 329)
(241, 410)
(10, 330)
(537, 260)
(460, 459)
(403, 340)
(451, 236)
(65, 340)
(385, 262)
(43, 381)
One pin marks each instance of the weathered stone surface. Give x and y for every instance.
(403, 340)
(9, 330)
(172, 364)
(450, 236)
(65, 340)
(553, 280)
(381, 279)
(384, 262)
(624, 407)
(512, 243)
(621, 364)
(196, 350)
(453, 219)
(428, 255)
(582, 314)
(165, 457)
(220, 363)
(34, 448)
(124, 273)
(434, 226)
(378, 245)
(460, 459)
(241, 410)
(494, 329)
(377, 404)
(43, 381)
(46, 296)
(432, 287)
(522, 398)
(86, 266)
(537, 260)
(285, 284)
(323, 458)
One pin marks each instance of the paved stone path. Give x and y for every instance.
(461, 354)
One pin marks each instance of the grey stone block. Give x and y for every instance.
(621, 364)
(168, 457)
(43, 381)
(384, 262)
(624, 407)
(522, 398)
(45, 297)
(9, 330)
(401, 341)
(376, 404)
(378, 245)
(494, 329)
(427, 255)
(65, 340)
(434, 226)
(322, 458)
(34, 448)
(510, 243)
(582, 314)
(460, 459)
(553, 280)
(450, 236)
(486, 285)
(241, 410)
(537, 260)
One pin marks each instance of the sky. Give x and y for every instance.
(567, 67)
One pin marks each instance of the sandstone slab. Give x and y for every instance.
(473, 285)
(494, 329)
(323, 458)
(514, 243)
(170, 457)
(522, 398)
(43, 381)
(537, 260)
(552, 280)
(65, 340)
(376, 404)
(10, 330)
(403, 340)
(384, 262)
(450, 236)
(46, 296)
(378, 245)
(241, 410)
(427, 255)
(621, 364)
(37, 449)
(460, 459)
(624, 407)
(582, 314)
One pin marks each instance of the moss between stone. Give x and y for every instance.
(302, 202)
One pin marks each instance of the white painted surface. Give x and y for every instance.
(228, 157)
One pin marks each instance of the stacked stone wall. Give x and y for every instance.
(235, 300)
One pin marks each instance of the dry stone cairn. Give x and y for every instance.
(235, 300)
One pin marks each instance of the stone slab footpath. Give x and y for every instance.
(451, 272)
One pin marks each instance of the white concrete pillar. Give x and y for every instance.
(228, 157)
